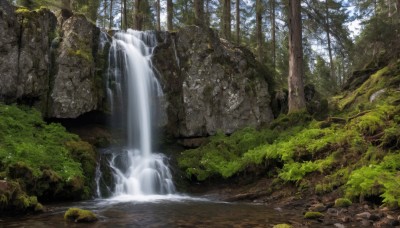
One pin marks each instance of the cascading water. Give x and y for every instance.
(132, 91)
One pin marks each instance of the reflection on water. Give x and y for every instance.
(165, 211)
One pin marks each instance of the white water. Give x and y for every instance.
(132, 90)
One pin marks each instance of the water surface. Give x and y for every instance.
(161, 211)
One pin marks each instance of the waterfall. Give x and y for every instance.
(133, 91)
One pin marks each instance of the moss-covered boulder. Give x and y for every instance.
(282, 226)
(14, 201)
(80, 215)
(41, 160)
(313, 215)
(343, 202)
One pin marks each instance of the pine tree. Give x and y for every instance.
(296, 97)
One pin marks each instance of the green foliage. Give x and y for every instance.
(43, 157)
(313, 215)
(377, 180)
(343, 202)
(356, 154)
(222, 154)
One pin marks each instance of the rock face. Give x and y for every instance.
(51, 67)
(25, 44)
(55, 65)
(210, 84)
(74, 91)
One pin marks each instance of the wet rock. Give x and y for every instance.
(339, 225)
(211, 84)
(364, 215)
(365, 223)
(319, 207)
(374, 217)
(346, 219)
(332, 211)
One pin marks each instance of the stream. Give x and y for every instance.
(161, 211)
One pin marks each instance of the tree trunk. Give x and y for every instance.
(226, 19)
(199, 12)
(138, 16)
(125, 16)
(238, 22)
(158, 27)
(105, 13)
(111, 15)
(398, 8)
(296, 97)
(328, 35)
(259, 10)
(207, 14)
(170, 13)
(273, 34)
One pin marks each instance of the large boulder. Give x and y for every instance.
(53, 66)
(25, 56)
(75, 89)
(210, 84)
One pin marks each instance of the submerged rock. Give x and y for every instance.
(210, 84)
(80, 215)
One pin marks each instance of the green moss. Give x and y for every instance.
(83, 54)
(222, 155)
(313, 215)
(22, 11)
(44, 158)
(282, 226)
(342, 202)
(80, 215)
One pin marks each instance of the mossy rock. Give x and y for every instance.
(342, 202)
(313, 215)
(80, 215)
(282, 226)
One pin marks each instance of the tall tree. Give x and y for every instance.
(170, 15)
(273, 33)
(111, 15)
(328, 36)
(125, 16)
(158, 10)
(238, 22)
(296, 97)
(260, 41)
(226, 19)
(138, 15)
(199, 12)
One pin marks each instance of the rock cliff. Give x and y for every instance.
(54, 63)
(210, 84)
(48, 65)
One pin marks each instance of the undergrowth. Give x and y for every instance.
(356, 152)
(45, 159)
